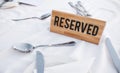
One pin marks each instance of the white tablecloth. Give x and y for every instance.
(37, 32)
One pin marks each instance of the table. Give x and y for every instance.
(35, 31)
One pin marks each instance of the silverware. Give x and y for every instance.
(79, 9)
(113, 54)
(79, 5)
(5, 2)
(2, 4)
(26, 47)
(79, 12)
(22, 3)
(44, 16)
(39, 62)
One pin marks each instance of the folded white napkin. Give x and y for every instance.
(82, 66)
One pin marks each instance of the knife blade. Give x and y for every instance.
(39, 62)
(113, 54)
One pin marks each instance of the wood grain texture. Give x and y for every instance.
(72, 33)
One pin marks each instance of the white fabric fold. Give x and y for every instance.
(72, 67)
(104, 61)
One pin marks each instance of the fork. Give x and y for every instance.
(79, 9)
(44, 16)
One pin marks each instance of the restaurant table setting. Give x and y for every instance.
(28, 46)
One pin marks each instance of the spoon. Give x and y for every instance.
(44, 16)
(26, 47)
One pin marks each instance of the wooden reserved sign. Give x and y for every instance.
(79, 27)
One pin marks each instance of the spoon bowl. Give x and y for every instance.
(23, 47)
(26, 47)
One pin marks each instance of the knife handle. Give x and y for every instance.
(39, 62)
(113, 54)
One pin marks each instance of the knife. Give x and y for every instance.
(113, 54)
(39, 62)
(22, 3)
